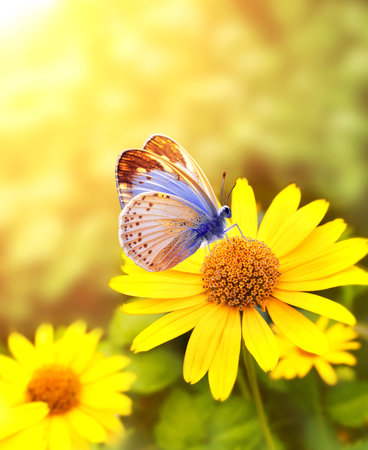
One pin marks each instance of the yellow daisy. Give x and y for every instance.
(221, 296)
(295, 362)
(63, 394)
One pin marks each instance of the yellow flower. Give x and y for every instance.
(295, 362)
(62, 394)
(221, 295)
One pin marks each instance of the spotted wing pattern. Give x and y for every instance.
(157, 230)
(139, 171)
(171, 151)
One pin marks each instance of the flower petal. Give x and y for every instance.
(86, 426)
(316, 304)
(106, 418)
(31, 437)
(320, 238)
(168, 327)
(352, 275)
(204, 341)
(244, 208)
(44, 343)
(86, 350)
(329, 261)
(104, 368)
(11, 370)
(23, 351)
(108, 401)
(297, 227)
(192, 264)
(259, 339)
(170, 284)
(17, 418)
(282, 207)
(339, 357)
(158, 306)
(69, 344)
(224, 367)
(302, 331)
(59, 437)
(326, 371)
(116, 382)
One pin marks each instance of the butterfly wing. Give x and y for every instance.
(157, 230)
(140, 171)
(171, 151)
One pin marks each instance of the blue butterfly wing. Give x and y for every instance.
(157, 231)
(170, 150)
(140, 171)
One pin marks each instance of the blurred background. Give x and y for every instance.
(273, 91)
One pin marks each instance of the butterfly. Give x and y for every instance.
(169, 208)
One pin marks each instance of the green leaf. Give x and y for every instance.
(155, 369)
(123, 328)
(197, 422)
(347, 403)
(360, 445)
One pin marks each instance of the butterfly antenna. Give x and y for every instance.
(222, 188)
(231, 190)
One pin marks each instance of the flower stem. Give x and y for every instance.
(253, 384)
(242, 383)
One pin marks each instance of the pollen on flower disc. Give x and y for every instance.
(56, 385)
(240, 273)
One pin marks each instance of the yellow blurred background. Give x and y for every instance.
(274, 91)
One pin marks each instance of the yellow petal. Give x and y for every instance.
(297, 327)
(69, 344)
(326, 372)
(109, 401)
(86, 350)
(352, 275)
(244, 208)
(204, 341)
(192, 264)
(86, 426)
(11, 370)
(17, 418)
(286, 368)
(59, 437)
(339, 357)
(106, 418)
(281, 208)
(168, 327)
(32, 437)
(103, 368)
(320, 238)
(259, 339)
(304, 365)
(316, 304)
(158, 306)
(224, 367)
(23, 351)
(44, 343)
(297, 227)
(329, 261)
(168, 284)
(115, 382)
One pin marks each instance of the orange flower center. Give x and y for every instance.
(240, 273)
(56, 385)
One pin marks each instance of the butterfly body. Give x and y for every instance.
(168, 206)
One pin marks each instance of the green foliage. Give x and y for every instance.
(197, 422)
(123, 328)
(155, 370)
(347, 403)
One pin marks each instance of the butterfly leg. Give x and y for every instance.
(209, 249)
(237, 226)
